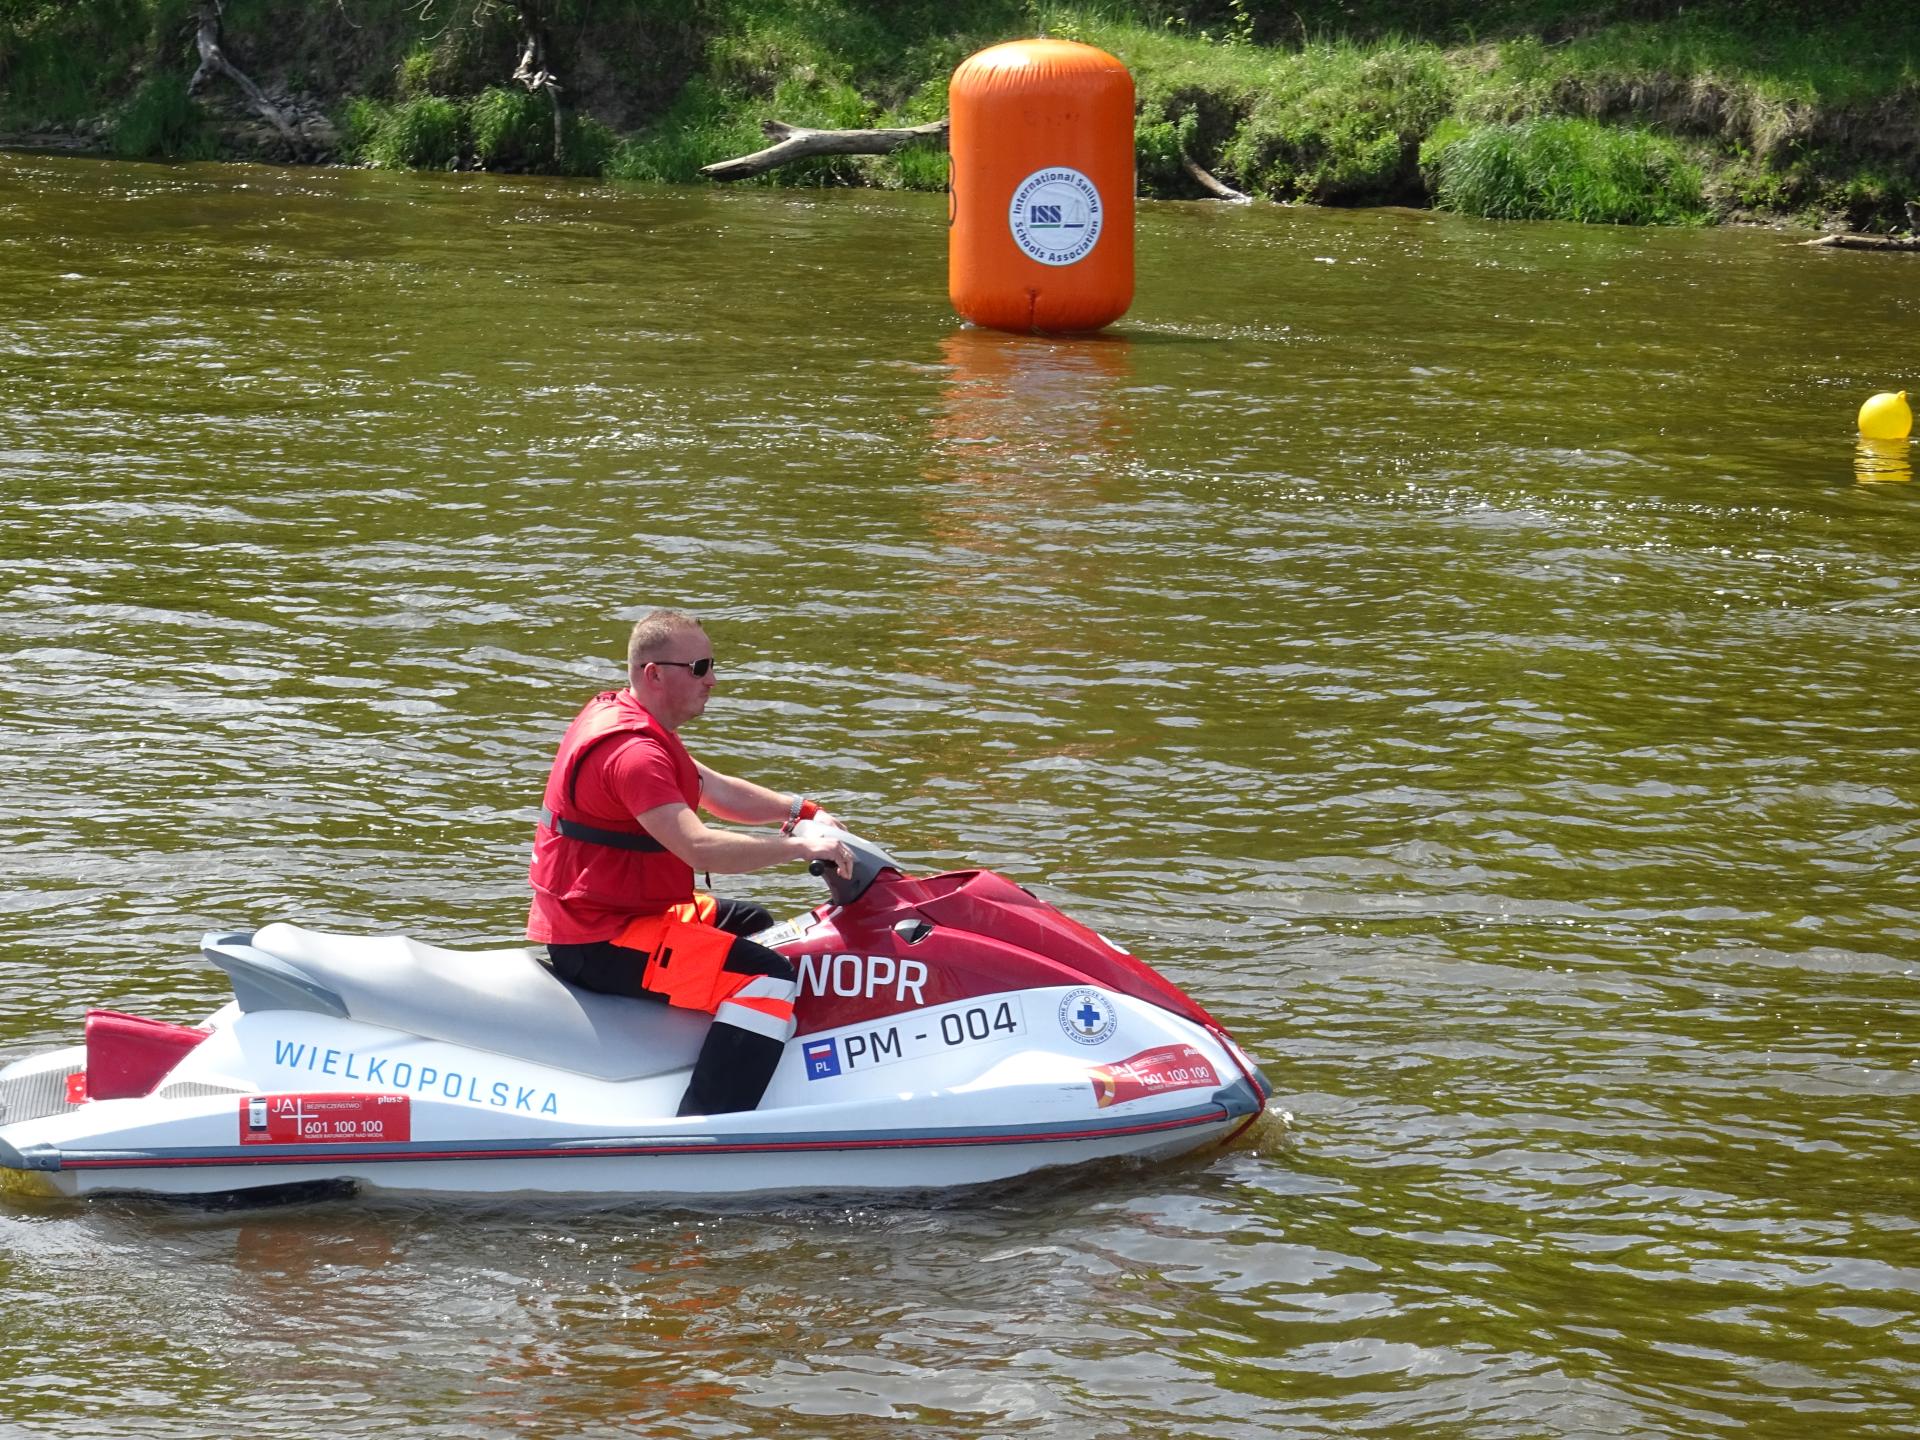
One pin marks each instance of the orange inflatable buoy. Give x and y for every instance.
(1041, 237)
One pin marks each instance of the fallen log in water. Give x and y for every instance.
(1219, 189)
(1866, 242)
(797, 143)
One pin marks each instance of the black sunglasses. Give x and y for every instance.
(699, 667)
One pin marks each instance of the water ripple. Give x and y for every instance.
(1408, 654)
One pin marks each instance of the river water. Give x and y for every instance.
(1476, 660)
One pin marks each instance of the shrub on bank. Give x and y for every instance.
(1343, 127)
(513, 130)
(498, 129)
(425, 133)
(825, 64)
(1556, 168)
(1717, 110)
(160, 121)
(701, 126)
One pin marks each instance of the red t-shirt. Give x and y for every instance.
(624, 776)
(630, 775)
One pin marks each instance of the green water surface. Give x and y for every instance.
(1477, 661)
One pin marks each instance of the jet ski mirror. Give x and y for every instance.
(868, 861)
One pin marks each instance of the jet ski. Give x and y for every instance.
(952, 1030)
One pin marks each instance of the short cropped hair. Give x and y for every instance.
(654, 635)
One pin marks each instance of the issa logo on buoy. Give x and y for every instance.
(1886, 416)
(1055, 216)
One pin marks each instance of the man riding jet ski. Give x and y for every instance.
(952, 1029)
(615, 853)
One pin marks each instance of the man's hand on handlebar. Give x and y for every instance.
(828, 848)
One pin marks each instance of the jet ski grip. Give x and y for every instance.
(868, 861)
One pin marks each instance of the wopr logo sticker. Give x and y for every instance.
(1088, 1017)
(1055, 215)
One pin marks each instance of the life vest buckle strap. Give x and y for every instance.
(594, 835)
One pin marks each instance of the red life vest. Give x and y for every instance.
(591, 881)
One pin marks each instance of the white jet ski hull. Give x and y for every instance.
(954, 1031)
(392, 1112)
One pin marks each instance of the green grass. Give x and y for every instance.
(1572, 108)
(824, 65)
(703, 125)
(160, 121)
(498, 129)
(1344, 127)
(63, 61)
(1728, 109)
(426, 133)
(1564, 169)
(512, 129)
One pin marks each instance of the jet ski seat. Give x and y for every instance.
(503, 1001)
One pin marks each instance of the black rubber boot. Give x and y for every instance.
(732, 1072)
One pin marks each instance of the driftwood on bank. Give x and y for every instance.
(794, 142)
(1866, 242)
(213, 61)
(1219, 189)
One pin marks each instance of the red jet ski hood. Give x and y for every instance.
(910, 942)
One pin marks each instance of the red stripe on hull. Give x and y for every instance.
(596, 1152)
(630, 1151)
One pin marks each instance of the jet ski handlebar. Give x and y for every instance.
(868, 861)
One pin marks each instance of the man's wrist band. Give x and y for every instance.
(800, 809)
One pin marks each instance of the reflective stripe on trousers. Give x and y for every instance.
(762, 1004)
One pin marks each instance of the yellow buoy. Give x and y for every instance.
(1886, 417)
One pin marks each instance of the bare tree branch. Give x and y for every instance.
(532, 72)
(796, 143)
(213, 61)
(1866, 242)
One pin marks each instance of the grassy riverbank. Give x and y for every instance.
(1626, 112)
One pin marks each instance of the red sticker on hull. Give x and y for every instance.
(1151, 1072)
(325, 1119)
